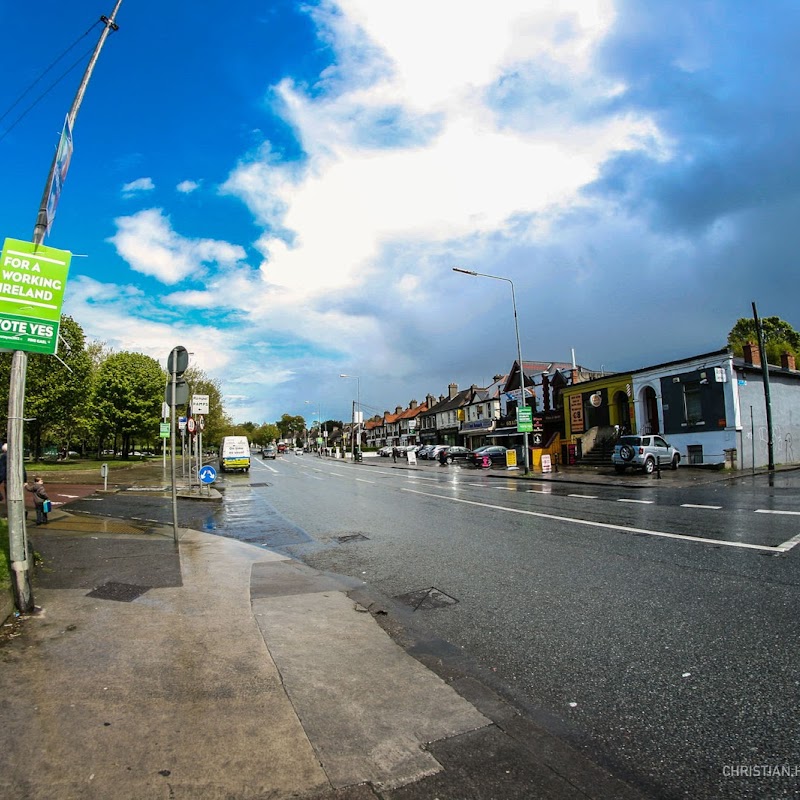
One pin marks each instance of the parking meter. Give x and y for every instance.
(104, 475)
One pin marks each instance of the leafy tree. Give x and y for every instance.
(216, 422)
(56, 389)
(266, 433)
(291, 426)
(128, 395)
(779, 337)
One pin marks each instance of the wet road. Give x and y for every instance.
(656, 629)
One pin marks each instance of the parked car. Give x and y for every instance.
(385, 451)
(454, 453)
(433, 453)
(424, 450)
(270, 451)
(644, 452)
(496, 453)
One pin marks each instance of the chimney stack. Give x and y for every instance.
(787, 361)
(452, 390)
(751, 354)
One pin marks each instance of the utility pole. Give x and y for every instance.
(17, 534)
(762, 352)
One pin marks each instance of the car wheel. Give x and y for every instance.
(620, 468)
(675, 461)
(649, 466)
(449, 459)
(626, 452)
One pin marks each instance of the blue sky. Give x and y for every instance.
(284, 188)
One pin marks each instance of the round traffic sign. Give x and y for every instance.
(191, 425)
(207, 474)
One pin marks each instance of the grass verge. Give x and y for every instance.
(5, 574)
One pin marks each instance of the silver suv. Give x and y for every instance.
(644, 452)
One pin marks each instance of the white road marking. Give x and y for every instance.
(608, 526)
(771, 511)
(695, 505)
(789, 544)
(363, 480)
(631, 500)
(585, 496)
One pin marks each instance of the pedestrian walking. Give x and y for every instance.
(41, 501)
(394, 454)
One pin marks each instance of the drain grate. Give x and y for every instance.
(123, 592)
(427, 599)
(352, 537)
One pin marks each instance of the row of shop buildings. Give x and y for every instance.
(711, 406)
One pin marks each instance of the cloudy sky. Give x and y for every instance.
(283, 188)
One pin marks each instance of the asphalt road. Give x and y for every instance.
(654, 628)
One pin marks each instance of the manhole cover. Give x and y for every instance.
(124, 592)
(426, 599)
(352, 537)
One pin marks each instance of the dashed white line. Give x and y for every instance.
(585, 496)
(695, 505)
(631, 500)
(782, 548)
(773, 511)
(363, 480)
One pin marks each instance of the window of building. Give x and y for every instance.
(692, 407)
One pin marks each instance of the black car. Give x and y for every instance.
(454, 453)
(496, 453)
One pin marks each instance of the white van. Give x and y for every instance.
(234, 453)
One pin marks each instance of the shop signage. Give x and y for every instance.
(576, 413)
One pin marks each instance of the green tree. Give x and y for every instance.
(266, 433)
(128, 395)
(216, 423)
(57, 390)
(779, 337)
(291, 426)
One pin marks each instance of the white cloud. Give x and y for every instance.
(138, 186)
(461, 175)
(148, 243)
(187, 187)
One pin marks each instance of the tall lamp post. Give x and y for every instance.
(523, 399)
(356, 416)
(319, 422)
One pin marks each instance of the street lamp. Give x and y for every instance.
(319, 422)
(356, 414)
(523, 399)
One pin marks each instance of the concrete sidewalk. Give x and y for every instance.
(216, 669)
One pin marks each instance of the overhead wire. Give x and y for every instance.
(49, 88)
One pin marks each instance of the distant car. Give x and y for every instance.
(281, 448)
(385, 451)
(270, 451)
(496, 453)
(644, 452)
(424, 450)
(454, 453)
(298, 451)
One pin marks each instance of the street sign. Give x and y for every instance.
(524, 419)
(207, 474)
(200, 404)
(163, 430)
(181, 392)
(181, 423)
(191, 426)
(32, 281)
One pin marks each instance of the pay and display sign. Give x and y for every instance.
(32, 282)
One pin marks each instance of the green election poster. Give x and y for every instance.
(32, 282)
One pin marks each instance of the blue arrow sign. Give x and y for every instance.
(207, 474)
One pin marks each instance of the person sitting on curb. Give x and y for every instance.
(39, 498)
